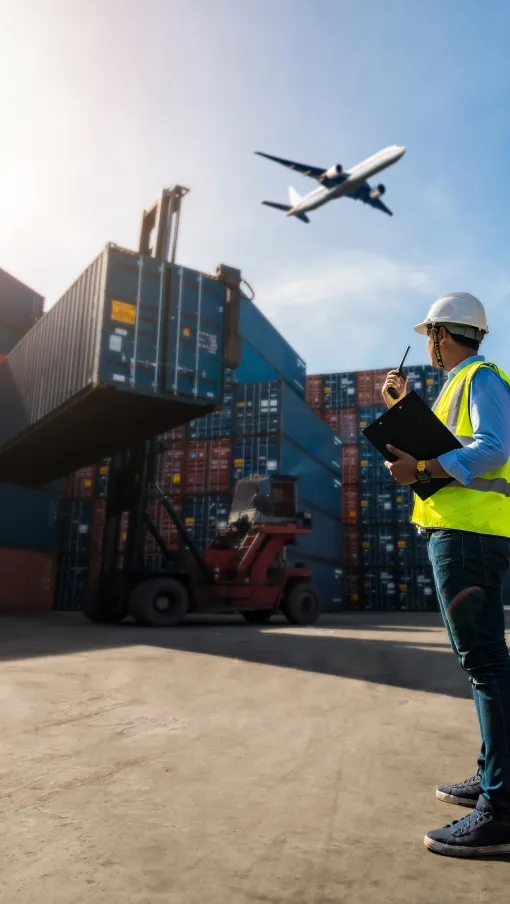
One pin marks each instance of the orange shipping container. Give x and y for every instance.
(28, 580)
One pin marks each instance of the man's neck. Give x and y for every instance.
(459, 359)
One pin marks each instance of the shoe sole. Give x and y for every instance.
(450, 850)
(455, 799)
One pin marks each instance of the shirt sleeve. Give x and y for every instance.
(489, 409)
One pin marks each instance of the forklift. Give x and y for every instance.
(244, 568)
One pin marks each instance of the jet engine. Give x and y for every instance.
(333, 172)
(377, 192)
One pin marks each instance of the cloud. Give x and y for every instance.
(352, 310)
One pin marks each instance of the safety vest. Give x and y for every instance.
(484, 505)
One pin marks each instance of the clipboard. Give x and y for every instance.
(411, 426)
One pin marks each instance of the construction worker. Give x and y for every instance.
(467, 524)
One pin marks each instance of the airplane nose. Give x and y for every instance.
(401, 149)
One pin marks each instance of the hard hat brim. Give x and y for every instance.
(422, 328)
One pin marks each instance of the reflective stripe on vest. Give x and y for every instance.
(484, 505)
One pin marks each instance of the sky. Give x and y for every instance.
(105, 102)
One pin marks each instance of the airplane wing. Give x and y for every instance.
(363, 194)
(315, 172)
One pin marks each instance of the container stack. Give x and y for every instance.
(384, 559)
(263, 427)
(27, 517)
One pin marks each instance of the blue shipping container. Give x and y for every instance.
(265, 408)
(74, 520)
(134, 348)
(71, 581)
(27, 518)
(257, 331)
(279, 455)
(218, 423)
(204, 515)
(339, 391)
(325, 540)
(327, 577)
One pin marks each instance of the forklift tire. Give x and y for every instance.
(301, 605)
(257, 616)
(159, 603)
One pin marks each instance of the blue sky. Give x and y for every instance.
(103, 103)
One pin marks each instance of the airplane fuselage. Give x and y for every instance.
(349, 181)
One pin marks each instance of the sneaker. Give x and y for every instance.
(465, 794)
(477, 834)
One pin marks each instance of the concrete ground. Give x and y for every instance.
(224, 763)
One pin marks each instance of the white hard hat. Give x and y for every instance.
(460, 312)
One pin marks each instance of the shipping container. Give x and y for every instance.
(80, 484)
(416, 591)
(164, 525)
(218, 423)
(28, 580)
(380, 589)
(28, 517)
(339, 390)
(327, 577)
(258, 333)
(265, 408)
(20, 306)
(74, 525)
(9, 337)
(403, 503)
(203, 515)
(170, 469)
(367, 415)
(351, 547)
(325, 540)
(71, 580)
(369, 384)
(350, 464)
(263, 455)
(314, 391)
(208, 466)
(352, 590)
(134, 348)
(350, 504)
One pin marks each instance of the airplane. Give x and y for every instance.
(336, 182)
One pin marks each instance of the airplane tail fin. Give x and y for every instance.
(294, 196)
(286, 207)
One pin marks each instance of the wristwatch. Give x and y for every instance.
(422, 475)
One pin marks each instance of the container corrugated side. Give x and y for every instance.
(274, 407)
(134, 348)
(28, 580)
(27, 517)
(265, 339)
(20, 306)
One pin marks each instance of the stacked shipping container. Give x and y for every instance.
(384, 558)
(264, 427)
(27, 517)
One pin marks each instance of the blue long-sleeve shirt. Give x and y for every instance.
(489, 409)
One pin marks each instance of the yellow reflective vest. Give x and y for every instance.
(484, 505)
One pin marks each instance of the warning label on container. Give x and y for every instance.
(208, 341)
(123, 312)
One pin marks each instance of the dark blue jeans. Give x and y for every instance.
(468, 572)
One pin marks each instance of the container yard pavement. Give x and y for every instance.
(224, 763)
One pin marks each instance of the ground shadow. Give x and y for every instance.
(342, 646)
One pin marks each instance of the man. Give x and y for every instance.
(467, 525)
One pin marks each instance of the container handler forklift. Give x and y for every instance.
(244, 568)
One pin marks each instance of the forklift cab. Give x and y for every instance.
(265, 500)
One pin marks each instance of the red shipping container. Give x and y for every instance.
(170, 469)
(351, 547)
(165, 526)
(196, 466)
(350, 504)
(314, 391)
(331, 417)
(28, 580)
(348, 425)
(350, 464)
(80, 484)
(369, 385)
(219, 470)
(97, 525)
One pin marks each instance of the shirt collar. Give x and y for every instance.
(453, 373)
